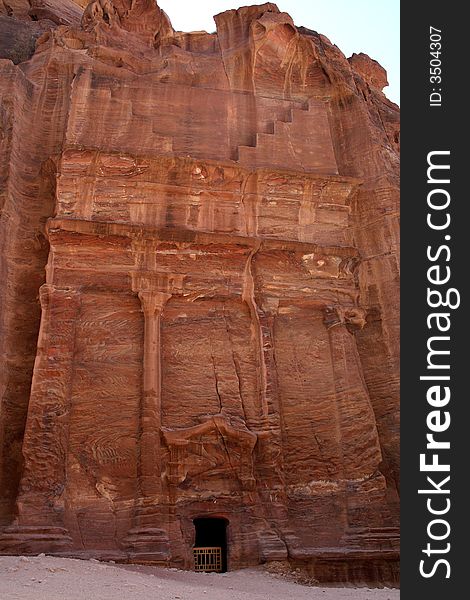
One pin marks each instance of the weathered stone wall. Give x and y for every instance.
(215, 332)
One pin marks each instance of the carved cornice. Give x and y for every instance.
(142, 234)
(148, 284)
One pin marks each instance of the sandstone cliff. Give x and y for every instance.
(199, 309)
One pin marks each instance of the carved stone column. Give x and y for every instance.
(40, 522)
(150, 465)
(271, 437)
(147, 540)
(249, 297)
(359, 438)
(362, 455)
(270, 467)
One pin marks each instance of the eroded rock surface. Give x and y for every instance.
(199, 309)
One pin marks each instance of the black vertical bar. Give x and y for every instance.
(430, 124)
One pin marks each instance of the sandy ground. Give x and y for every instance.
(49, 578)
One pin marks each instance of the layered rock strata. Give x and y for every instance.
(199, 309)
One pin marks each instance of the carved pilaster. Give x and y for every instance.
(145, 539)
(42, 488)
(271, 441)
(152, 307)
(359, 438)
(46, 435)
(249, 297)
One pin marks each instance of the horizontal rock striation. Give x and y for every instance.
(199, 309)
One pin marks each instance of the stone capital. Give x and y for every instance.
(353, 318)
(155, 283)
(153, 302)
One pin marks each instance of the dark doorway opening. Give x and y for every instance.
(212, 533)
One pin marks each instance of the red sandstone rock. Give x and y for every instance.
(370, 70)
(22, 22)
(209, 223)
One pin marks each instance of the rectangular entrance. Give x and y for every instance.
(210, 548)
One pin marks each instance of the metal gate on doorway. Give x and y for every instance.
(208, 560)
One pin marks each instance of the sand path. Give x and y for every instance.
(50, 578)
